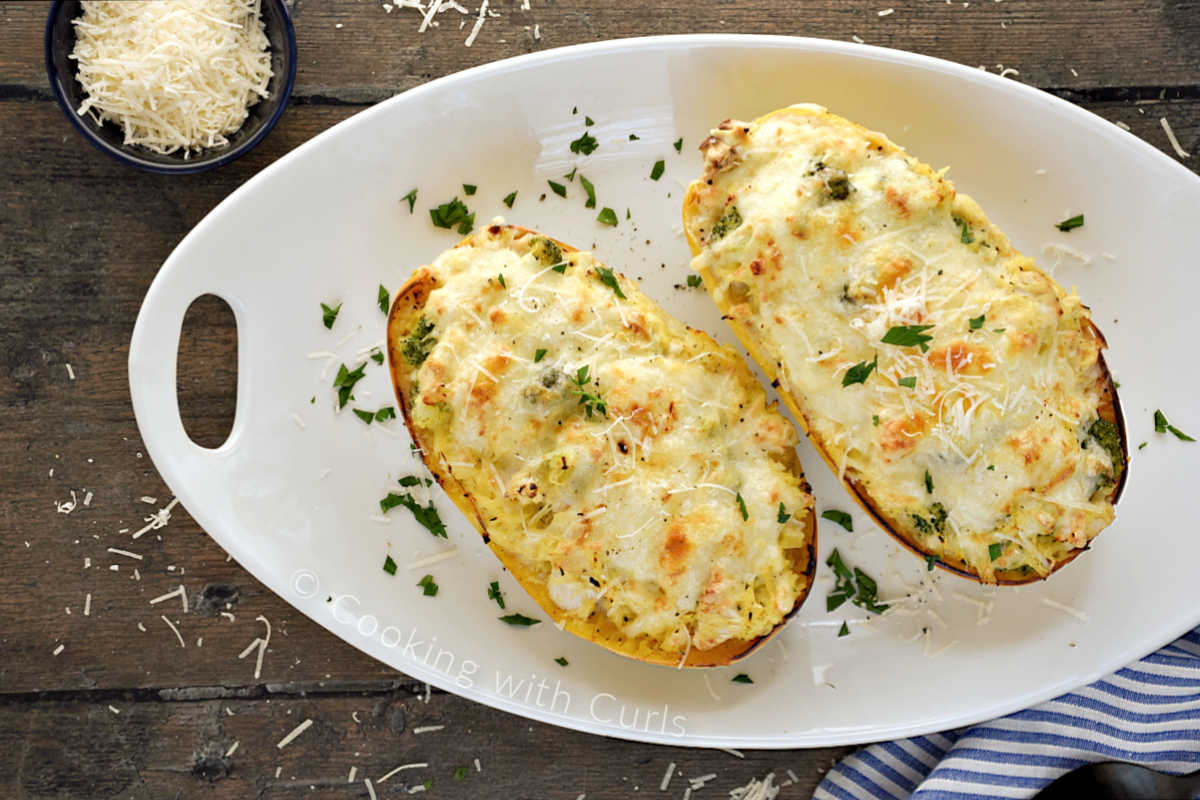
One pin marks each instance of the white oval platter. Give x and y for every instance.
(293, 492)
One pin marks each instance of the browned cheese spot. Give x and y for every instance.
(899, 437)
(961, 358)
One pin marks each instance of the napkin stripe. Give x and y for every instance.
(885, 771)
(896, 750)
(1148, 713)
(1136, 697)
(1004, 757)
(1127, 714)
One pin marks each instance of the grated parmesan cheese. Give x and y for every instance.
(177, 75)
(1179, 151)
(756, 789)
(1066, 609)
(299, 729)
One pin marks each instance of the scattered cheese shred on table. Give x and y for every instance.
(1179, 151)
(299, 729)
(172, 75)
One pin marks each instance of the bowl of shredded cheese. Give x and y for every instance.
(171, 86)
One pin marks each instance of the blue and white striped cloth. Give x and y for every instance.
(1147, 713)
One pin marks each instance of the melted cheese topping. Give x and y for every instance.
(634, 510)
(817, 238)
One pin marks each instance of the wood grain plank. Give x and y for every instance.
(356, 51)
(146, 749)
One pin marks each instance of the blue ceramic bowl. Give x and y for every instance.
(60, 41)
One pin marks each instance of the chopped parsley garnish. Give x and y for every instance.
(784, 516)
(965, 236)
(519, 619)
(585, 144)
(411, 197)
(460, 773)
(427, 516)
(588, 120)
(1162, 426)
(328, 315)
(607, 216)
(570, 176)
(494, 593)
(860, 372)
(558, 188)
(590, 402)
(679, 145)
(999, 330)
(840, 517)
(389, 566)
(995, 549)
(510, 198)
(387, 412)
(934, 523)
(501, 281)
(975, 323)
(728, 221)
(908, 383)
(992, 467)
(418, 344)
(610, 280)
(345, 380)
(742, 507)
(694, 281)
(844, 630)
(928, 483)
(365, 416)
(409, 480)
(455, 212)
(430, 588)
(562, 662)
(1142, 445)
(660, 166)
(539, 354)
(875, 419)
(428, 784)
(930, 560)
(1071, 223)
(561, 267)
(741, 677)
(469, 189)
(383, 299)
(590, 190)
(633, 137)
(908, 336)
(856, 586)
(377, 357)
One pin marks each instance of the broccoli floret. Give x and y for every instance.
(1108, 436)
(837, 186)
(418, 344)
(730, 220)
(935, 522)
(546, 251)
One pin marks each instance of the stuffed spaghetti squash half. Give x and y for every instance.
(959, 392)
(626, 469)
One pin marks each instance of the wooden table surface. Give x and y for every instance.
(97, 697)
